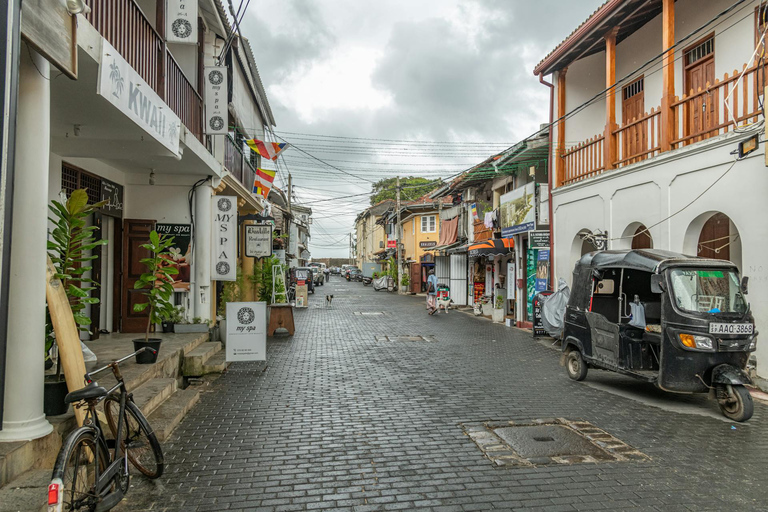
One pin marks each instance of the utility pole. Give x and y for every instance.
(290, 190)
(398, 237)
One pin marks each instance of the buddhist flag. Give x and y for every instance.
(267, 149)
(263, 182)
(475, 216)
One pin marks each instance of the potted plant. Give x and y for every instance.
(487, 306)
(176, 318)
(159, 292)
(405, 281)
(69, 247)
(231, 291)
(197, 325)
(498, 310)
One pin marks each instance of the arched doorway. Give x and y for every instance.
(713, 235)
(642, 238)
(580, 247)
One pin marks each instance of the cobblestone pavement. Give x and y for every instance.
(338, 420)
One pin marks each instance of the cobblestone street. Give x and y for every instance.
(338, 419)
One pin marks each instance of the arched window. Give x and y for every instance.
(642, 238)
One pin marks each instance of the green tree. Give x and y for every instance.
(387, 188)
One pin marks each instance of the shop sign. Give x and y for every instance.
(122, 86)
(391, 244)
(258, 241)
(538, 239)
(280, 255)
(511, 288)
(246, 331)
(181, 251)
(542, 270)
(112, 193)
(216, 100)
(427, 245)
(181, 21)
(517, 211)
(538, 324)
(224, 223)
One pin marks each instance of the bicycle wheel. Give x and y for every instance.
(77, 465)
(142, 446)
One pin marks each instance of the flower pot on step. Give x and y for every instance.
(487, 309)
(498, 316)
(168, 327)
(53, 398)
(148, 356)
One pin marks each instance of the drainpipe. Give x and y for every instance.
(549, 181)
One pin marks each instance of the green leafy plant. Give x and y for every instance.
(231, 291)
(391, 268)
(178, 316)
(375, 275)
(157, 281)
(69, 247)
(262, 278)
(405, 280)
(499, 302)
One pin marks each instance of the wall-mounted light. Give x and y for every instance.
(77, 7)
(532, 171)
(76, 130)
(748, 146)
(152, 177)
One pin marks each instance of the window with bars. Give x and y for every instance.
(73, 178)
(633, 89)
(700, 51)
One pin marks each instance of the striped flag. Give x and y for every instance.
(263, 182)
(267, 149)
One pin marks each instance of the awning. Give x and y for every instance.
(447, 247)
(495, 247)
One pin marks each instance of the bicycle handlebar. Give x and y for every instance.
(113, 363)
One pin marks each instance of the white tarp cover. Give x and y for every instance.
(553, 310)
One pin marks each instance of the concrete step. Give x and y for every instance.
(27, 492)
(216, 363)
(169, 414)
(194, 360)
(152, 393)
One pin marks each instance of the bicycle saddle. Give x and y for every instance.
(92, 390)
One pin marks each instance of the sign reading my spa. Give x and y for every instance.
(216, 100)
(181, 21)
(224, 246)
(122, 86)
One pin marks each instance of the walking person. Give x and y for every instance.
(432, 292)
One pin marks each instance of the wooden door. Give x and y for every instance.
(415, 278)
(635, 140)
(642, 239)
(701, 115)
(135, 233)
(715, 238)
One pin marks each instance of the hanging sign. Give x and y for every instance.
(538, 239)
(112, 193)
(246, 331)
(224, 223)
(216, 100)
(181, 252)
(181, 21)
(258, 241)
(124, 88)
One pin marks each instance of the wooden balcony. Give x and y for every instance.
(697, 116)
(124, 25)
(238, 165)
(481, 232)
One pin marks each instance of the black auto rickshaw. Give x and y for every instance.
(679, 322)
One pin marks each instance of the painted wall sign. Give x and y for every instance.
(518, 214)
(246, 331)
(538, 239)
(181, 21)
(113, 194)
(426, 245)
(258, 241)
(122, 86)
(224, 246)
(216, 100)
(181, 252)
(391, 244)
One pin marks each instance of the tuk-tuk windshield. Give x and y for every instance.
(707, 291)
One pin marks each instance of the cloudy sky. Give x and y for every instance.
(409, 87)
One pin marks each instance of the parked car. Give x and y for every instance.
(354, 274)
(349, 269)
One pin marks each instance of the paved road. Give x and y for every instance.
(338, 420)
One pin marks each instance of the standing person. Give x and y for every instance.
(432, 292)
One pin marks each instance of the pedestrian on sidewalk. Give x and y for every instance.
(432, 292)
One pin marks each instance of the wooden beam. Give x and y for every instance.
(668, 128)
(559, 176)
(609, 144)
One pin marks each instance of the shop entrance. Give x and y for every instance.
(135, 233)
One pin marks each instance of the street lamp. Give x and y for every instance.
(77, 7)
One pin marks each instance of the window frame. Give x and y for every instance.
(433, 223)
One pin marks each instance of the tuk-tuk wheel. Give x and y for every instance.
(575, 365)
(738, 406)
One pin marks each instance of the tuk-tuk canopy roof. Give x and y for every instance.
(649, 260)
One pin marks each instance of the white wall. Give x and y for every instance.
(245, 106)
(584, 79)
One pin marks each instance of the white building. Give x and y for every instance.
(657, 150)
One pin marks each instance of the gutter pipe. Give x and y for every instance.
(549, 180)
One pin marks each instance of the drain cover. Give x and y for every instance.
(550, 441)
(412, 338)
(370, 313)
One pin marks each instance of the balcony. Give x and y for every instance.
(481, 233)
(699, 115)
(124, 25)
(238, 165)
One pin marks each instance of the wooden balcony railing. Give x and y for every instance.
(124, 25)
(238, 165)
(697, 116)
(481, 232)
(183, 98)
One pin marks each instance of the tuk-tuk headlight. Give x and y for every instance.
(697, 342)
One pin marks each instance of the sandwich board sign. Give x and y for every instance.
(246, 331)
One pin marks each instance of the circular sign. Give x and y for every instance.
(246, 316)
(224, 204)
(222, 268)
(181, 28)
(216, 77)
(216, 123)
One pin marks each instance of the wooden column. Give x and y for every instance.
(559, 176)
(162, 50)
(668, 128)
(609, 144)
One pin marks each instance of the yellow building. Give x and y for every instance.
(420, 221)
(371, 235)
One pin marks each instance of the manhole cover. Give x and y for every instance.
(551, 441)
(411, 338)
(370, 313)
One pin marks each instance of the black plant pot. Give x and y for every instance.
(147, 357)
(53, 399)
(167, 327)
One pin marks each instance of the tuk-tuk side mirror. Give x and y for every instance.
(657, 283)
(744, 285)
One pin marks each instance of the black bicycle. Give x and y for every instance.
(89, 475)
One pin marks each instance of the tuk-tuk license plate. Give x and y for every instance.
(731, 328)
